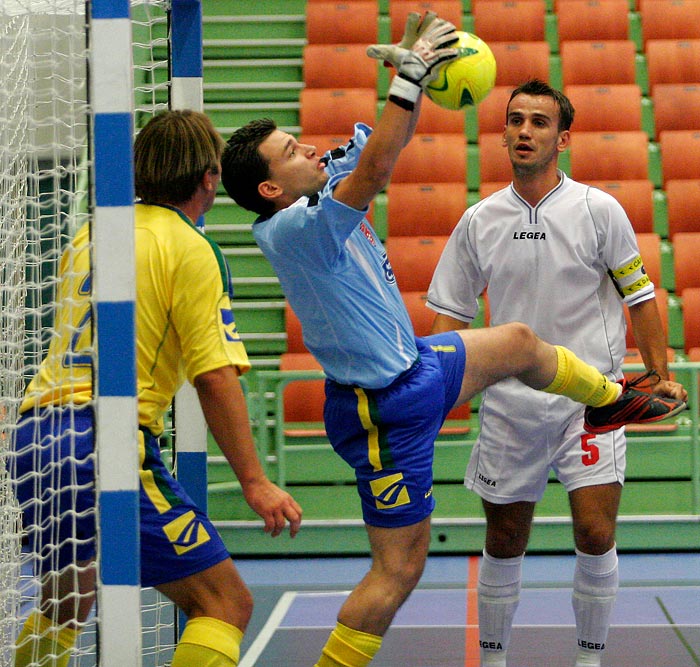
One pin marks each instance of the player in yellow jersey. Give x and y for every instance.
(185, 330)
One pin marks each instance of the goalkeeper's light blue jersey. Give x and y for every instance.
(335, 273)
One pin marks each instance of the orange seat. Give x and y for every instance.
(680, 154)
(303, 399)
(673, 61)
(432, 158)
(491, 112)
(419, 209)
(592, 20)
(683, 206)
(690, 302)
(649, 245)
(499, 20)
(335, 111)
(670, 19)
(598, 62)
(676, 106)
(342, 22)
(292, 327)
(434, 119)
(636, 197)
(616, 107)
(686, 252)
(413, 259)
(323, 62)
(494, 163)
(450, 10)
(324, 142)
(487, 188)
(519, 61)
(609, 155)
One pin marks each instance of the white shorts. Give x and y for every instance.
(525, 434)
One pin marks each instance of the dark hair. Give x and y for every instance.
(243, 168)
(172, 152)
(537, 88)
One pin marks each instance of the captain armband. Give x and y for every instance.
(631, 278)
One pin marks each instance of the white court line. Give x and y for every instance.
(271, 625)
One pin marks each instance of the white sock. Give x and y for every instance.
(499, 594)
(596, 582)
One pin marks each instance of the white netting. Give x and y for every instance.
(44, 185)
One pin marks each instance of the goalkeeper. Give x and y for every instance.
(387, 392)
(185, 328)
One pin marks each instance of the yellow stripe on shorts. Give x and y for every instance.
(371, 428)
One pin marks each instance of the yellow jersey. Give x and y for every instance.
(184, 321)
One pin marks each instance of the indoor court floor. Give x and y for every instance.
(656, 621)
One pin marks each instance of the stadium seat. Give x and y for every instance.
(500, 20)
(690, 302)
(676, 106)
(598, 62)
(609, 156)
(491, 113)
(649, 245)
(680, 154)
(335, 111)
(670, 19)
(323, 62)
(434, 119)
(519, 61)
(616, 107)
(342, 22)
(303, 400)
(636, 197)
(494, 164)
(662, 303)
(686, 267)
(292, 326)
(673, 61)
(324, 142)
(593, 20)
(683, 206)
(487, 188)
(419, 209)
(451, 10)
(414, 259)
(432, 158)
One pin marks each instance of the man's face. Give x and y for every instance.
(295, 168)
(532, 134)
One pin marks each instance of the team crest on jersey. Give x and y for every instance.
(368, 233)
(186, 533)
(230, 329)
(388, 271)
(389, 492)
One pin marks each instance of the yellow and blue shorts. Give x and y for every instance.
(54, 479)
(388, 435)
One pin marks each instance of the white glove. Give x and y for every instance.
(418, 66)
(415, 26)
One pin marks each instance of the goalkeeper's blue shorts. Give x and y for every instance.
(54, 477)
(388, 435)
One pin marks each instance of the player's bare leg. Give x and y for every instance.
(398, 559)
(594, 512)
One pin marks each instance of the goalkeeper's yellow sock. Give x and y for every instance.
(349, 648)
(581, 381)
(208, 642)
(42, 643)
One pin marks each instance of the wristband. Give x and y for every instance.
(405, 90)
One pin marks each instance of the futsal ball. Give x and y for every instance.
(467, 80)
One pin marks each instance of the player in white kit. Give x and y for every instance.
(561, 257)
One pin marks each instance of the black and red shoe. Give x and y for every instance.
(632, 407)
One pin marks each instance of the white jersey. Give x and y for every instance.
(564, 267)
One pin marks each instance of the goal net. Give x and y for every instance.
(44, 198)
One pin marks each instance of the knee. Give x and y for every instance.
(595, 538)
(522, 342)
